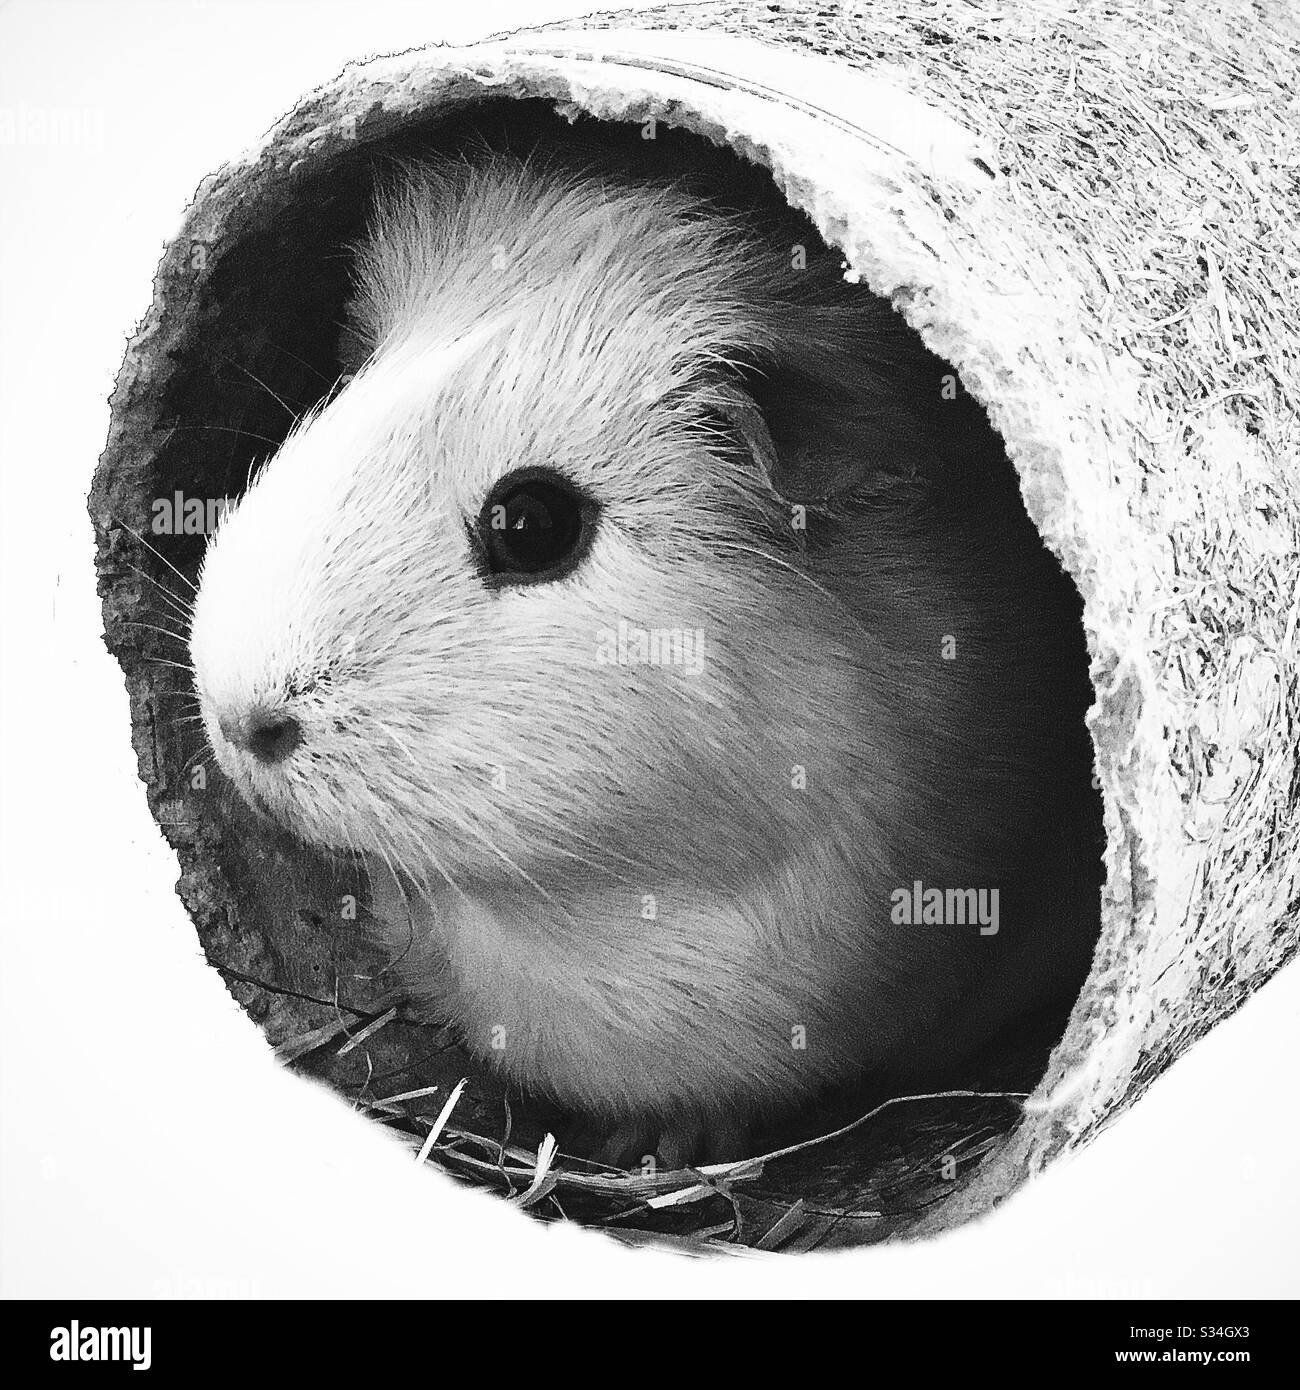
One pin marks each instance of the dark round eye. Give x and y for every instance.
(534, 525)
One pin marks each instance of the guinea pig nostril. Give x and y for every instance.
(273, 736)
(268, 735)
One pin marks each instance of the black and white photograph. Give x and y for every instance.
(650, 655)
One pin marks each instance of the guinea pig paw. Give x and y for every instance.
(635, 1143)
(626, 1146)
(693, 1142)
(681, 1142)
(727, 1139)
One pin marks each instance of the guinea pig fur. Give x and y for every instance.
(653, 615)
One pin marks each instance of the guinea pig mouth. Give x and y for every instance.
(241, 769)
(280, 812)
(287, 806)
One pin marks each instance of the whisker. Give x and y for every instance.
(470, 828)
(153, 627)
(184, 578)
(835, 599)
(232, 429)
(302, 361)
(205, 752)
(279, 400)
(163, 661)
(178, 603)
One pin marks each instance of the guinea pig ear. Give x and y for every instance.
(805, 466)
(740, 413)
(846, 399)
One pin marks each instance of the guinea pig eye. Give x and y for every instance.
(535, 525)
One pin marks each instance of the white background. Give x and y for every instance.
(150, 1146)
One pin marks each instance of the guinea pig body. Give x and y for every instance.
(650, 614)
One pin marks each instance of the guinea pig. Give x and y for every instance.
(660, 621)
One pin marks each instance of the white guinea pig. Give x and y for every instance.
(663, 627)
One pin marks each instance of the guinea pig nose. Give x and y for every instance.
(269, 736)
